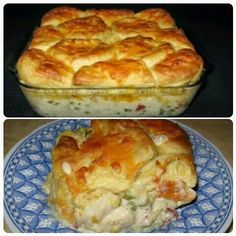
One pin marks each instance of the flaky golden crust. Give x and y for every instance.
(37, 68)
(115, 73)
(157, 15)
(175, 37)
(172, 142)
(79, 52)
(86, 27)
(118, 156)
(135, 47)
(93, 41)
(132, 26)
(60, 15)
(172, 131)
(101, 154)
(45, 37)
(180, 68)
(110, 15)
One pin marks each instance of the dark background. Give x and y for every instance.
(208, 26)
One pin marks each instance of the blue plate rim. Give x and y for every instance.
(228, 220)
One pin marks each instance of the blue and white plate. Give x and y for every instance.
(29, 162)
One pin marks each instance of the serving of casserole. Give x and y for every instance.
(109, 63)
(121, 175)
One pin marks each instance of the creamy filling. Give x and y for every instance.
(147, 204)
(128, 217)
(145, 107)
(160, 103)
(137, 210)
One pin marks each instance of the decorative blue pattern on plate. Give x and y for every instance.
(28, 164)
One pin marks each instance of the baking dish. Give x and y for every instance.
(79, 100)
(163, 101)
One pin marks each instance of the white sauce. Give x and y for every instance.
(159, 139)
(66, 168)
(163, 104)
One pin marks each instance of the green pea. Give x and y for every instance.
(127, 196)
(132, 205)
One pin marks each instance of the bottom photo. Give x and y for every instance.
(118, 175)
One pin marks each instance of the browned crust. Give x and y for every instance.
(154, 127)
(86, 27)
(79, 52)
(176, 147)
(175, 134)
(148, 38)
(60, 15)
(102, 152)
(37, 68)
(122, 148)
(157, 15)
(180, 68)
(115, 73)
(45, 37)
(135, 47)
(132, 26)
(110, 15)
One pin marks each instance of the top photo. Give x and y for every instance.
(118, 60)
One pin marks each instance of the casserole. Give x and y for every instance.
(117, 62)
(94, 187)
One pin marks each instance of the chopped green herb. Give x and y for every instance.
(127, 196)
(143, 112)
(162, 111)
(132, 205)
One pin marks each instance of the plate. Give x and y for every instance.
(28, 164)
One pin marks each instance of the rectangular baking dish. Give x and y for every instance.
(116, 102)
(165, 101)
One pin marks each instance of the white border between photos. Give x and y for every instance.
(3, 118)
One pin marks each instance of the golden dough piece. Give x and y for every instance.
(81, 52)
(175, 37)
(174, 136)
(135, 47)
(161, 52)
(132, 26)
(40, 70)
(45, 37)
(173, 145)
(60, 15)
(157, 15)
(114, 73)
(110, 15)
(101, 154)
(91, 27)
(181, 68)
(112, 48)
(172, 132)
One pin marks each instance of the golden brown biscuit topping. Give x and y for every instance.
(157, 15)
(110, 47)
